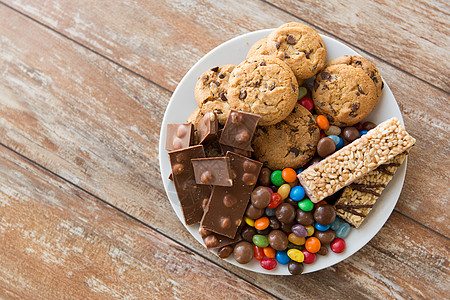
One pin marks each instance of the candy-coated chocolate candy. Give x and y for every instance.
(284, 190)
(295, 239)
(247, 233)
(358, 126)
(295, 268)
(296, 255)
(268, 263)
(302, 91)
(274, 223)
(322, 251)
(351, 134)
(368, 126)
(325, 214)
(306, 103)
(258, 252)
(343, 230)
(262, 223)
(312, 244)
(291, 202)
(260, 240)
(299, 170)
(333, 130)
(338, 245)
(243, 252)
(269, 252)
(336, 223)
(260, 197)
(309, 257)
(299, 230)
(253, 212)
(337, 140)
(297, 193)
(322, 122)
(304, 217)
(306, 205)
(277, 178)
(269, 189)
(325, 237)
(289, 175)
(285, 213)
(282, 257)
(225, 251)
(264, 177)
(310, 230)
(264, 231)
(363, 132)
(270, 212)
(321, 227)
(278, 240)
(249, 222)
(325, 146)
(275, 200)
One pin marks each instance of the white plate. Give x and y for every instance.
(183, 103)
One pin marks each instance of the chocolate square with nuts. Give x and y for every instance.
(179, 136)
(212, 171)
(239, 129)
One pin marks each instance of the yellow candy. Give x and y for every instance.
(284, 191)
(296, 240)
(250, 222)
(296, 255)
(310, 230)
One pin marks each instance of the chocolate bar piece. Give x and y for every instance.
(226, 148)
(179, 136)
(358, 199)
(213, 171)
(226, 207)
(193, 197)
(207, 128)
(239, 129)
(214, 240)
(355, 160)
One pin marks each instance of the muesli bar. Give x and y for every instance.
(355, 160)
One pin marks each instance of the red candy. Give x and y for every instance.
(337, 245)
(275, 200)
(307, 103)
(309, 257)
(268, 263)
(258, 252)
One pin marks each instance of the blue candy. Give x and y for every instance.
(321, 227)
(363, 132)
(343, 230)
(282, 257)
(270, 212)
(299, 170)
(336, 223)
(337, 140)
(297, 193)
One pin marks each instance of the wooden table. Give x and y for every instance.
(83, 89)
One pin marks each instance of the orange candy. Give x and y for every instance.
(262, 223)
(269, 252)
(322, 122)
(289, 175)
(312, 244)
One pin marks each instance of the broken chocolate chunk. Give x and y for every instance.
(290, 40)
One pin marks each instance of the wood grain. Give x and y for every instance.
(148, 37)
(58, 242)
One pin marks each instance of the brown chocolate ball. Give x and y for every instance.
(325, 214)
(225, 251)
(325, 237)
(243, 252)
(260, 197)
(326, 146)
(291, 202)
(211, 241)
(264, 177)
(287, 228)
(278, 240)
(285, 213)
(368, 126)
(323, 250)
(264, 231)
(304, 218)
(351, 134)
(295, 268)
(253, 212)
(274, 223)
(247, 233)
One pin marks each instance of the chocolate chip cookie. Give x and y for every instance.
(290, 143)
(344, 94)
(363, 63)
(300, 46)
(258, 48)
(263, 85)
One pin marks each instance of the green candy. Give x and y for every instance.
(302, 92)
(277, 178)
(306, 205)
(260, 240)
(294, 246)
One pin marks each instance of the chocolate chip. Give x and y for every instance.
(307, 53)
(354, 108)
(223, 97)
(315, 86)
(325, 75)
(320, 43)
(221, 76)
(382, 85)
(357, 93)
(294, 111)
(243, 94)
(360, 90)
(272, 86)
(325, 87)
(314, 67)
(218, 111)
(215, 69)
(293, 87)
(358, 63)
(294, 151)
(286, 55)
(330, 118)
(262, 64)
(263, 129)
(290, 40)
(277, 45)
(216, 82)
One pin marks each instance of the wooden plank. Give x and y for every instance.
(162, 39)
(99, 124)
(59, 242)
